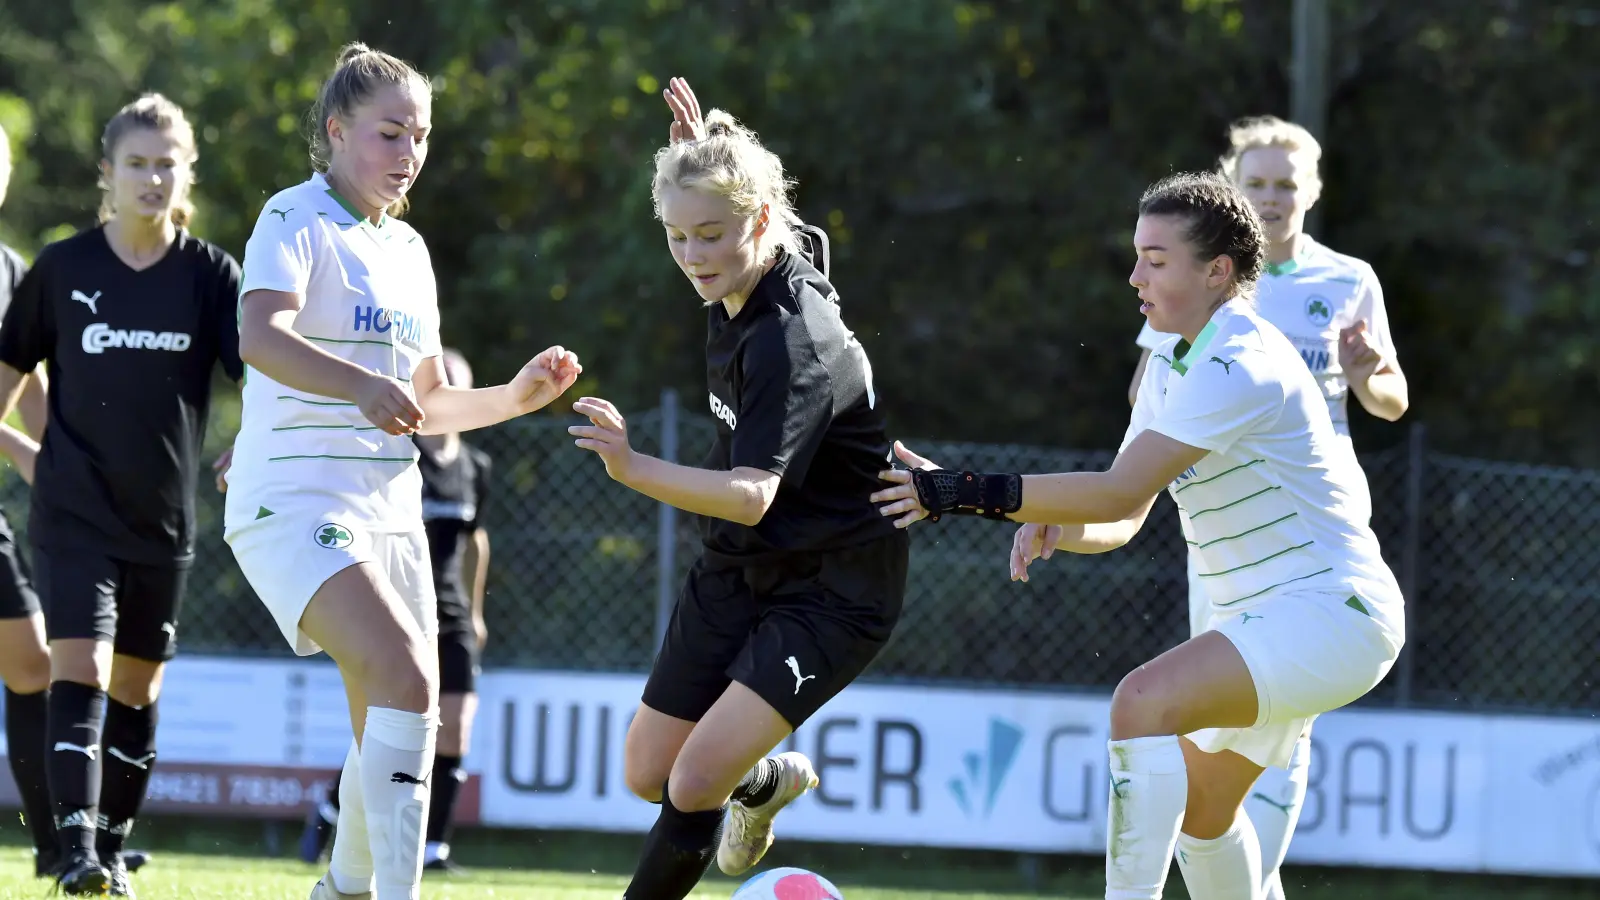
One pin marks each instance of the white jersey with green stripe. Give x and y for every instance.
(368, 297)
(1277, 504)
(1309, 298)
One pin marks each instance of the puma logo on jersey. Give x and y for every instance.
(282, 214)
(88, 300)
(724, 412)
(1226, 364)
(794, 666)
(99, 336)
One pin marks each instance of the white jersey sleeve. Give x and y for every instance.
(1369, 308)
(1220, 400)
(279, 254)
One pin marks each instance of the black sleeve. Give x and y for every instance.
(226, 305)
(28, 333)
(482, 468)
(785, 404)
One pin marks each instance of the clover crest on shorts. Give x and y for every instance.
(333, 536)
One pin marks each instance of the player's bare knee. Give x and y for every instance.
(644, 775)
(81, 661)
(1143, 705)
(135, 682)
(25, 670)
(694, 789)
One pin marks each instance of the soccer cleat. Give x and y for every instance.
(748, 832)
(82, 876)
(445, 866)
(326, 891)
(121, 884)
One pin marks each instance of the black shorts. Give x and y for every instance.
(796, 634)
(459, 665)
(90, 595)
(17, 598)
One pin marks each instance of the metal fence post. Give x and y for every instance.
(1411, 550)
(667, 521)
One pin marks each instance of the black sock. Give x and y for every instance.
(448, 776)
(676, 854)
(759, 784)
(332, 797)
(130, 755)
(77, 716)
(26, 715)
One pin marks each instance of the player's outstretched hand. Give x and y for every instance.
(388, 404)
(607, 435)
(544, 378)
(901, 500)
(221, 467)
(1032, 542)
(687, 123)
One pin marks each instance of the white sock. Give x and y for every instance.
(396, 759)
(351, 860)
(1274, 805)
(1223, 868)
(1149, 790)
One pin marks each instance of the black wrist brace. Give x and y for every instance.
(967, 493)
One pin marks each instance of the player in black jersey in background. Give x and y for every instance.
(800, 581)
(24, 661)
(455, 487)
(131, 318)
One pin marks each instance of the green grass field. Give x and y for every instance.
(235, 860)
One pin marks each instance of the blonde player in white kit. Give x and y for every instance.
(339, 328)
(1306, 615)
(1330, 306)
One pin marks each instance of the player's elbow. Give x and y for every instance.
(756, 490)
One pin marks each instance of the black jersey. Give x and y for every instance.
(792, 393)
(130, 356)
(453, 495)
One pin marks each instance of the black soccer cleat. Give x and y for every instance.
(121, 884)
(82, 876)
(46, 863)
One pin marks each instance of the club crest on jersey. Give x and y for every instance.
(100, 336)
(724, 412)
(407, 328)
(333, 536)
(1319, 311)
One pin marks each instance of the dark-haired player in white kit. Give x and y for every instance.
(131, 318)
(800, 581)
(455, 489)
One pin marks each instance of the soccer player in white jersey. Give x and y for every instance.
(1330, 306)
(1306, 616)
(339, 328)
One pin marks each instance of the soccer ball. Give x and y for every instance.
(788, 884)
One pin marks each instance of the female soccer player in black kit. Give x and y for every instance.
(455, 487)
(800, 581)
(130, 318)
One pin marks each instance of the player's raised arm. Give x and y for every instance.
(448, 409)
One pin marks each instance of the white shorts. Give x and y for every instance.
(1308, 652)
(287, 557)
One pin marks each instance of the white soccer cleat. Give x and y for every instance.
(326, 891)
(748, 832)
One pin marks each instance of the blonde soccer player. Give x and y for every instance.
(339, 329)
(799, 582)
(1305, 616)
(1330, 306)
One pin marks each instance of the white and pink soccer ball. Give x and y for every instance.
(788, 884)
